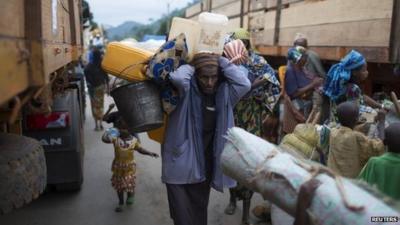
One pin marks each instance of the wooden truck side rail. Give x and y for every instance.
(37, 38)
(333, 27)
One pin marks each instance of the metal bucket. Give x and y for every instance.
(139, 105)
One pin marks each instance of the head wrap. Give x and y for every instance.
(236, 52)
(299, 36)
(241, 33)
(295, 54)
(340, 73)
(205, 59)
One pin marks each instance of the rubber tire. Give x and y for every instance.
(23, 173)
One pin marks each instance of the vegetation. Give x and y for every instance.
(158, 27)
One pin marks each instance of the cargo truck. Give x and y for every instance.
(41, 99)
(333, 28)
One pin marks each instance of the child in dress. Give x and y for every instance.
(123, 166)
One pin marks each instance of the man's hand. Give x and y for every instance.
(305, 197)
(316, 82)
(154, 155)
(259, 81)
(380, 118)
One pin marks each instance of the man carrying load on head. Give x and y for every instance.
(209, 90)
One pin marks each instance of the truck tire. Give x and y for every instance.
(23, 174)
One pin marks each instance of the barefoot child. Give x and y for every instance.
(123, 166)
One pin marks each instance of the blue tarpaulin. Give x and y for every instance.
(154, 37)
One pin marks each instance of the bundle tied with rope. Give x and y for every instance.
(278, 177)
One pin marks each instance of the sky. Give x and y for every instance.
(115, 12)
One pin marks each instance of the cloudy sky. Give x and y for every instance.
(115, 12)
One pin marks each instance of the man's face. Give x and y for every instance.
(208, 82)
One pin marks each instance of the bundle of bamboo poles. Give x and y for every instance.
(277, 176)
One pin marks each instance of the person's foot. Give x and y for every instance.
(130, 200)
(230, 209)
(262, 212)
(118, 208)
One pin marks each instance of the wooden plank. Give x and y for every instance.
(272, 4)
(262, 27)
(55, 20)
(75, 22)
(395, 33)
(37, 76)
(233, 24)
(335, 11)
(65, 21)
(277, 21)
(372, 54)
(14, 70)
(12, 19)
(193, 10)
(257, 21)
(55, 56)
(220, 3)
(256, 5)
(373, 33)
(33, 19)
(229, 10)
(78, 21)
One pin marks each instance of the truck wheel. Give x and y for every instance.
(23, 174)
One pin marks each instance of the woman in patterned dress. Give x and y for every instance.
(254, 108)
(97, 81)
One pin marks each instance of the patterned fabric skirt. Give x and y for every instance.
(124, 176)
(97, 101)
(249, 115)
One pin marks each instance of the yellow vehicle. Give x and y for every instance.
(40, 46)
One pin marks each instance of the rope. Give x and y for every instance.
(316, 170)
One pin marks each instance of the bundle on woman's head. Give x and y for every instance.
(205, 63)
(236, 52)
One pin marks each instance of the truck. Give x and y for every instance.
(41, 99)
(333, 28)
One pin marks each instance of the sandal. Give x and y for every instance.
(230, 209)
(118, 208)
(130, 200)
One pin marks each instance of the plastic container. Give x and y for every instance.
(139, 105)
(159, 134)
(190, 28)
(213, 29)
(125, 62)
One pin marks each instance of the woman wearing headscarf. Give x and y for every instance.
(299, 87)
(251, 112)
(342, 83)
(97, 80)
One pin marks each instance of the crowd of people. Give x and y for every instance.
(241, 89)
